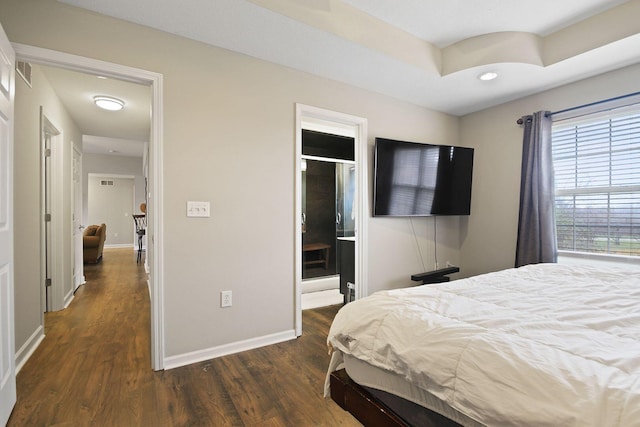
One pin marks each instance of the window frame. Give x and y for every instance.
(607, 112)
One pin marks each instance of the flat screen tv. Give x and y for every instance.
(413, 179)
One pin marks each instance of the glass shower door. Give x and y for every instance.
(345, 191)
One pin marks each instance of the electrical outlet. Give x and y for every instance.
(226, 299)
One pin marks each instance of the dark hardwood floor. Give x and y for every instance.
(93, 368)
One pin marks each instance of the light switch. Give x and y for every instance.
(198, 209)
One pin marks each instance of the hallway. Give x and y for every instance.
(93, 368)
(97, 350)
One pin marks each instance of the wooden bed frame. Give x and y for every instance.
(356, 400)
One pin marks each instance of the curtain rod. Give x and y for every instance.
(566, 110)
(616, 98)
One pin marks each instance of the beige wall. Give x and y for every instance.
(109, 165)
(229, 139)
(112, 205)
(27, 159)
(490, 240)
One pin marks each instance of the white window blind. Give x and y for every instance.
(597, 177)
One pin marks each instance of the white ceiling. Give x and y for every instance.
(121, 133)
(446, 22)
(427, 52)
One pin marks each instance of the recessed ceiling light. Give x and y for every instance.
(109, 103)
(489, 75)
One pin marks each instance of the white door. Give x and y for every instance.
(7, 326)
(78, 267)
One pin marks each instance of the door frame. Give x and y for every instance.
(51, 239)
(78, 227)
(7, 232)
(337, 123)
(155, 221)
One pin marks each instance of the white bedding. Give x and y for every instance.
(542, 345)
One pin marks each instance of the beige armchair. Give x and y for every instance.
(93, 243)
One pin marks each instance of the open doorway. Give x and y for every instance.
(336, 151)
(153, 167)
(328, 218)
(110, 142)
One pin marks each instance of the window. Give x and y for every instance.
(597, 177)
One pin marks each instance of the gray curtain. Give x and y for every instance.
(537, 224)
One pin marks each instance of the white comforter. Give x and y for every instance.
(542, 345)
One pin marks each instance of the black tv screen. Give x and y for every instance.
(412, 179)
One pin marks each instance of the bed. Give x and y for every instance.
(540, 345)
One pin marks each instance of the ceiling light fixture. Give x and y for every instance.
(489, 75)
(109, 103)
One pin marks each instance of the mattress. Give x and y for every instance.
(542, 345)
(377, 380)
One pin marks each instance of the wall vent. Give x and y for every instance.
(106, 182)
(24, 70)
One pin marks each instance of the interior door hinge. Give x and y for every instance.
(47, 217)
(47, 282)
(47, 152)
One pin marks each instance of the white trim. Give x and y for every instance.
(29, 347)
(83, 64)
(155, 197)
(320, 284)
(155, 230)
(329, 159)
(566, 257)
(322, 299)
(226, 349)
(69, 297)
(57, 299)
(121, 245)
(362, 234)
(308, 117)
(597, 190)
(110, 175)
(7, 233)
(77, 262)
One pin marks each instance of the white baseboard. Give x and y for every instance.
(27, 349)
(226, 349)
(321, 299)
(120, 245)
(68, 298)
(82, 281)
(321, 284)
